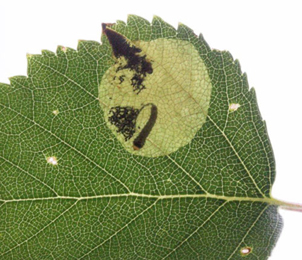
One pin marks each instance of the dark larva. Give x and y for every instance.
(140, 140)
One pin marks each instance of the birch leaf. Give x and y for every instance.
(149, 145)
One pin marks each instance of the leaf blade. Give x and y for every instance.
(96, 177)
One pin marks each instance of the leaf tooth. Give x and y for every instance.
(61, 49)
(31, 57)
(186, 32)
(160, 28)
(182, 26)
(48, 53)
(81, 44)
(119, 23)
(227, 56)
(137, 20)
(157, 20)
(203, 41)
(119, 26)
(5, 85)
(264, 125)
(17, 81)
(238, 66)
(253, 98)
(252, 92)
(245, 80)
(137, 24)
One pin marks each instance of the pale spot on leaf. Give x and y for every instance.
(234, 106)
(52, 160)
(55, 112)
(245, 251)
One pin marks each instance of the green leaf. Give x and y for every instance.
(178, 166)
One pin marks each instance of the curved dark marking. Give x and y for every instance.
(140, 140)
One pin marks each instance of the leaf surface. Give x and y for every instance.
(73, 187)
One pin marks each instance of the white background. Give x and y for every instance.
(266, 37)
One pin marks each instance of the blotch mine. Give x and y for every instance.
(165, 88)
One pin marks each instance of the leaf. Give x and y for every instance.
(163, 171)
